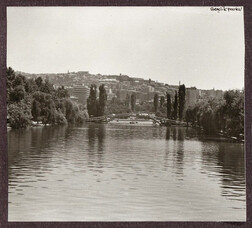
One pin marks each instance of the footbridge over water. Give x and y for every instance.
(157, 120)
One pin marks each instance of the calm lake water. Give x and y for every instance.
(97, 172)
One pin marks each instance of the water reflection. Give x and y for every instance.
(168, 133)
(153, 172)
(227, 162)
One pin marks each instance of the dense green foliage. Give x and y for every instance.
(127, 101)
(92, 102)
(175, 106)
(181, 101)
(115, 106)
(19, 114)
(168, 105)
(102, 100)
(226, 114)
(96, 107)
(133, 102)
(155, 101)
(36, 100)
(162, 101)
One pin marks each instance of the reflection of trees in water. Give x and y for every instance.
(174, 133)
(96, 132)
(181, 134)
(91, 138)
(101, 136)
(227, 160)
(232, 162)
(167, 136)
(168, 133)
(180, 157)
(178, 148)
(155, 132)
(24, 145)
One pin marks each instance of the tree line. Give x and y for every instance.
(212, 115)
(219, 115)
(100, 106)
(96, 106)
(36, 100)
(172, 107)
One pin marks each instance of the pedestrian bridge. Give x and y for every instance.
(157, 120)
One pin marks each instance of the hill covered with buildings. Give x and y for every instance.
(119, 86)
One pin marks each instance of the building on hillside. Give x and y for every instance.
(81, 92)
(171, 91)
(110, 95)
(149, 89)
(108, 81)
(191, 96)
(205, 94)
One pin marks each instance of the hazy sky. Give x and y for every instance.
(195, 45)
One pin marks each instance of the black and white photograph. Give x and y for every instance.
(126, 114)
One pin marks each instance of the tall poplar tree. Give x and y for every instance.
(168, 105)
(133, 102)
(181, 105)
(127, 101)
(175, 106)
(162, 100)
(155, 102)
(102, 100)
(92, 102)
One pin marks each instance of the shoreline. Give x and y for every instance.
(136, 123)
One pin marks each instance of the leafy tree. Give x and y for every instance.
(59, 117)
(10, 74)
(61, 92)
(17, 94)
(168, 105)
(155, 102)
(73, 112)
(30, 86)
(36, 110)
(19, 115)
(18, 81)
(92, 101)
(175, 106)
(162, 101)
(181, 106)
(133, 102)
(70, 110)
(102, 100)
(35, 99)
(10, 78)
(48, 111)
(39, 82)
(207, 119)
(116, 107)
(145, 107)
(190, 115)
(46, 87)
(234, 111)
(127, 101)
(45, 105)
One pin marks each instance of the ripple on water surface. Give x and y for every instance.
(99, 172)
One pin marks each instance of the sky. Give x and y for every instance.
(193, 45)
